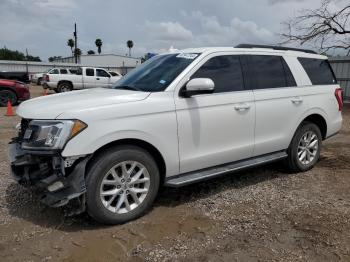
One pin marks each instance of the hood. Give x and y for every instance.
(51, 106)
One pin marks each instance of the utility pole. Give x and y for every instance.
(75, 42)
(27, 60)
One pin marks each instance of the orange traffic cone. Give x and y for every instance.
(9, 111)
(45, 92)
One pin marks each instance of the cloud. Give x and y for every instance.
(43, 26)
(168, 31)
(211, 32)
(36, 24)
(273, 2)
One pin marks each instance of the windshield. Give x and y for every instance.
(155, 74)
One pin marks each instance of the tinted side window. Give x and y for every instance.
(102, 73)
(225, 71)
(64, 71)
(54, 72)
(90, 72)
(318, 70)
(267, 71)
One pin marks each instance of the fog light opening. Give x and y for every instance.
(55, 186)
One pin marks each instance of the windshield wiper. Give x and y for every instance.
(128, 88)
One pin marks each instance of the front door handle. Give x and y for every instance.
(97, 78)
(297, 100)
(242, 107)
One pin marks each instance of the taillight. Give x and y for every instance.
(339, 96)
(47, 78)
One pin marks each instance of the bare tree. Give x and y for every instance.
(324, 28)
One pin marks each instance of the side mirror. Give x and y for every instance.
(198, 86)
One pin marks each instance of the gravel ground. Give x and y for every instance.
(263, 214)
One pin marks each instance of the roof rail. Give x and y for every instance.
(275, 48)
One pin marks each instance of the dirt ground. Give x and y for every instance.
(263, 214)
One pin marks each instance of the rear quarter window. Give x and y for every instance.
(318, 70)
(269, 71)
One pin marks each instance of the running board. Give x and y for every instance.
(208, 173)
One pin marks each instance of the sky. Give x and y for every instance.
(44, 26)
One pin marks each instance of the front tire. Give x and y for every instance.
(121, 184)
(304, 150)
(8, 95)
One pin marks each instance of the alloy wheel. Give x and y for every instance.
(308, 147)
(124, 187)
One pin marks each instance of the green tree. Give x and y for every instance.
(54, 58)
(33, 58)
(98, 43)
(77, 52)
(70, 43)
(91, 52)
(130, 44)
(7, 54)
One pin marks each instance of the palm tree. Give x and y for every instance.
(77, 52)
(70, 43)
(130, 45)
(98, 43)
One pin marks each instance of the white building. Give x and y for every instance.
(105, 60)
(121, 64)
(108, 61)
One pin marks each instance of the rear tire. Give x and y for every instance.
(8, 95)
(39, 81)
(304, 150)
(64, 87)
(122, 184)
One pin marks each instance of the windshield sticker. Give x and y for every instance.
(162, 82)
(187, 56)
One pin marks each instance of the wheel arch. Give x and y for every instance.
(314, 117)
(64, 81)
(319, 121)
(151, 149)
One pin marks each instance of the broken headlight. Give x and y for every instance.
(50, 134)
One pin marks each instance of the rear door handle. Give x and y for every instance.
(97, 78)
(297, 100)
(242, 107)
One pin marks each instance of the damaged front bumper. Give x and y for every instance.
(55, 179)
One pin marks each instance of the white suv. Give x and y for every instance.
(177, 119)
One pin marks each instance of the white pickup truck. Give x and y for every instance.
(86, 77)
